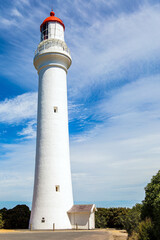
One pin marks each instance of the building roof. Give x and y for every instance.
(82, 208)
(52, 18)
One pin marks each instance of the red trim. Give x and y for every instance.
(52, 18)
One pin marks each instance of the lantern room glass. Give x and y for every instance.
(44, 32)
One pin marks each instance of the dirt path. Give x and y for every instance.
(97, 234)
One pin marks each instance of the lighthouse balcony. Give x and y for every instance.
(52, 45)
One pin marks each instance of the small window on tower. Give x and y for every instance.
(57, 188)
(55, 109)
(43, 220)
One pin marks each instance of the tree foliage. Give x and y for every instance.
(110, 217)
(149, 227)
(16, 218)
(131, 220)
(151, 203)
(1, 221)
(146, 230)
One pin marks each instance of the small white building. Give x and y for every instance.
(82, 216)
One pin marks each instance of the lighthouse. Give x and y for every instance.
(52, 196)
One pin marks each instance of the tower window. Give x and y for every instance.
(43, 220)
(55, 109)
(57, 188)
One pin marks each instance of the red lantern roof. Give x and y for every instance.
(52, 18)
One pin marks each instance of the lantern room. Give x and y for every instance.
(52, 27)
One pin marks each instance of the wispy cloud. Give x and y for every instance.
(22, 3)
(17, 170)
(16, 13)
(113, 165)
(115, 48)
(29, 131)
(19, 108)
(113, 41)
(134, 106)
(124, 149)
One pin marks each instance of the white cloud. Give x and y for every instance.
(141, 96)
(109, 43)
(17, 171)
(103, 166)
(19, 108)
(16, 13)
(77, 111)
(120, 155)
(22, 3)
(29, 131)
(113, 47)
(7, 22)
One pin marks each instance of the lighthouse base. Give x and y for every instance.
(50, 224)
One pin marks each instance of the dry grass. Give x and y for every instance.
(118, 234)
(7, 230)
(134, 236)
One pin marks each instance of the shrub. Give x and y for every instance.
(115, 215)
(146, 230)
(101, 218)
(131, 220)
(110, 217)
(1, 221)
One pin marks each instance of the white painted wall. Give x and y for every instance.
(92, 221)
(82, 220)
(52, 149)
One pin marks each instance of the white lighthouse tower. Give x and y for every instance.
(52, 196)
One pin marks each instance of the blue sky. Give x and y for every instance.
(113, 96)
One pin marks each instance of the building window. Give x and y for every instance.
(43, 220)
(55, 109)
(57, 188)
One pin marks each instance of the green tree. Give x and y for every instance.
(131, 220)
(151, 204)
(16, 218)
